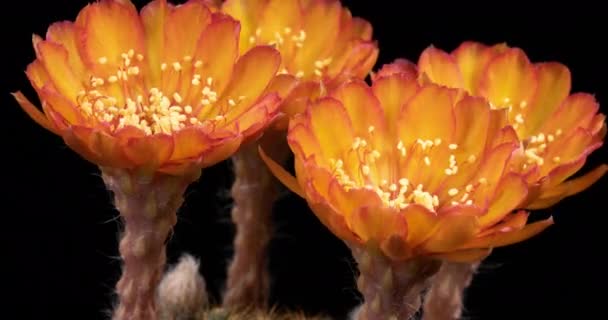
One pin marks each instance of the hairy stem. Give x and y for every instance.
(254, 192)
(391, 290)
(148, 207)
(444, 300)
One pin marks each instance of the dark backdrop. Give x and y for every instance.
(59, 229)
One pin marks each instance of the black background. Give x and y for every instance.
(60, 231)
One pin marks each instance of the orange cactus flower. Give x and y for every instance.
(320, 42)
(165, 89)
(418, 170)
(558, 130)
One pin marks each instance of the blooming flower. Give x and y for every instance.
(558, 130)
(321, 44)
(165, 89)
(415, 169)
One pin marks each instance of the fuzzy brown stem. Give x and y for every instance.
(444, 299)
(148, 206)
(391, 290)
(254, 192)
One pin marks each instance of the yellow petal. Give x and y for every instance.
(440, 67)
(453, 230)
(509, 194)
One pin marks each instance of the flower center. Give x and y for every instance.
(365, 167)
(123, 98)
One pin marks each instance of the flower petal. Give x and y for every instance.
(509, 194)
(421, 223)
(440, 67)
(105, 149)
(285, 177)
(190, 142)
(329, 122)
(576, 111)
(507, 238)
(150, 151)
(183, 28)
(428, 115)
(378, 223)
(252, 75)
(510, 223)
(54, 57)
(153, 16)
(66, 34)
(509, 79)
(472, 58)
(109, 29)
(472, 123)
(34, 113)
(363, 109)
(393, 92)
(218, 50)
(553, 87)
(453, 230)
(399, 66)
(221, 151)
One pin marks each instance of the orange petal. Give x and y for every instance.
(66, 34)
(278, 15)
(190, 142)
(490, 170)
(472, 58)
(333, 221)
(568, 188)
(378, 223)
(421, 223)
(79, 143)
(453, 230)
(577, 110)
(153, 16)
(507, 238)
(553, 87)
(222, 151)
(37, 75)
(399, 66)
(33, 112)
(440, 67)
(109, 29)
(509, 78)
(60, 104)
(463, 256)
(510, 223)
(393, 92)
(363, 108)
(285, 177)
(150, 151)
(105, 148)
(329, 122)
(472, 123)
(321, 24)
(248, 12)
(283, 85)
(259, 116)
(572, 147)
(347, 202)
(303, 142)
(428, 115)
(218, 50)
(509, 194)
(55, 60)
(183, 28)
(252, 75)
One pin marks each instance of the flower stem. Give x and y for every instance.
(391, 289)
(148, 206)
(254, 192)
(444, 300)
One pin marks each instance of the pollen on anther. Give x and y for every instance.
(102, 60)
(519, 118)
(366, 170)
(177, 66)
(452, 192)
(231, 102)
(112, 79)
(198, 64)
(177, 97)
(427, 161)
(371, 129)
(453, 146)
